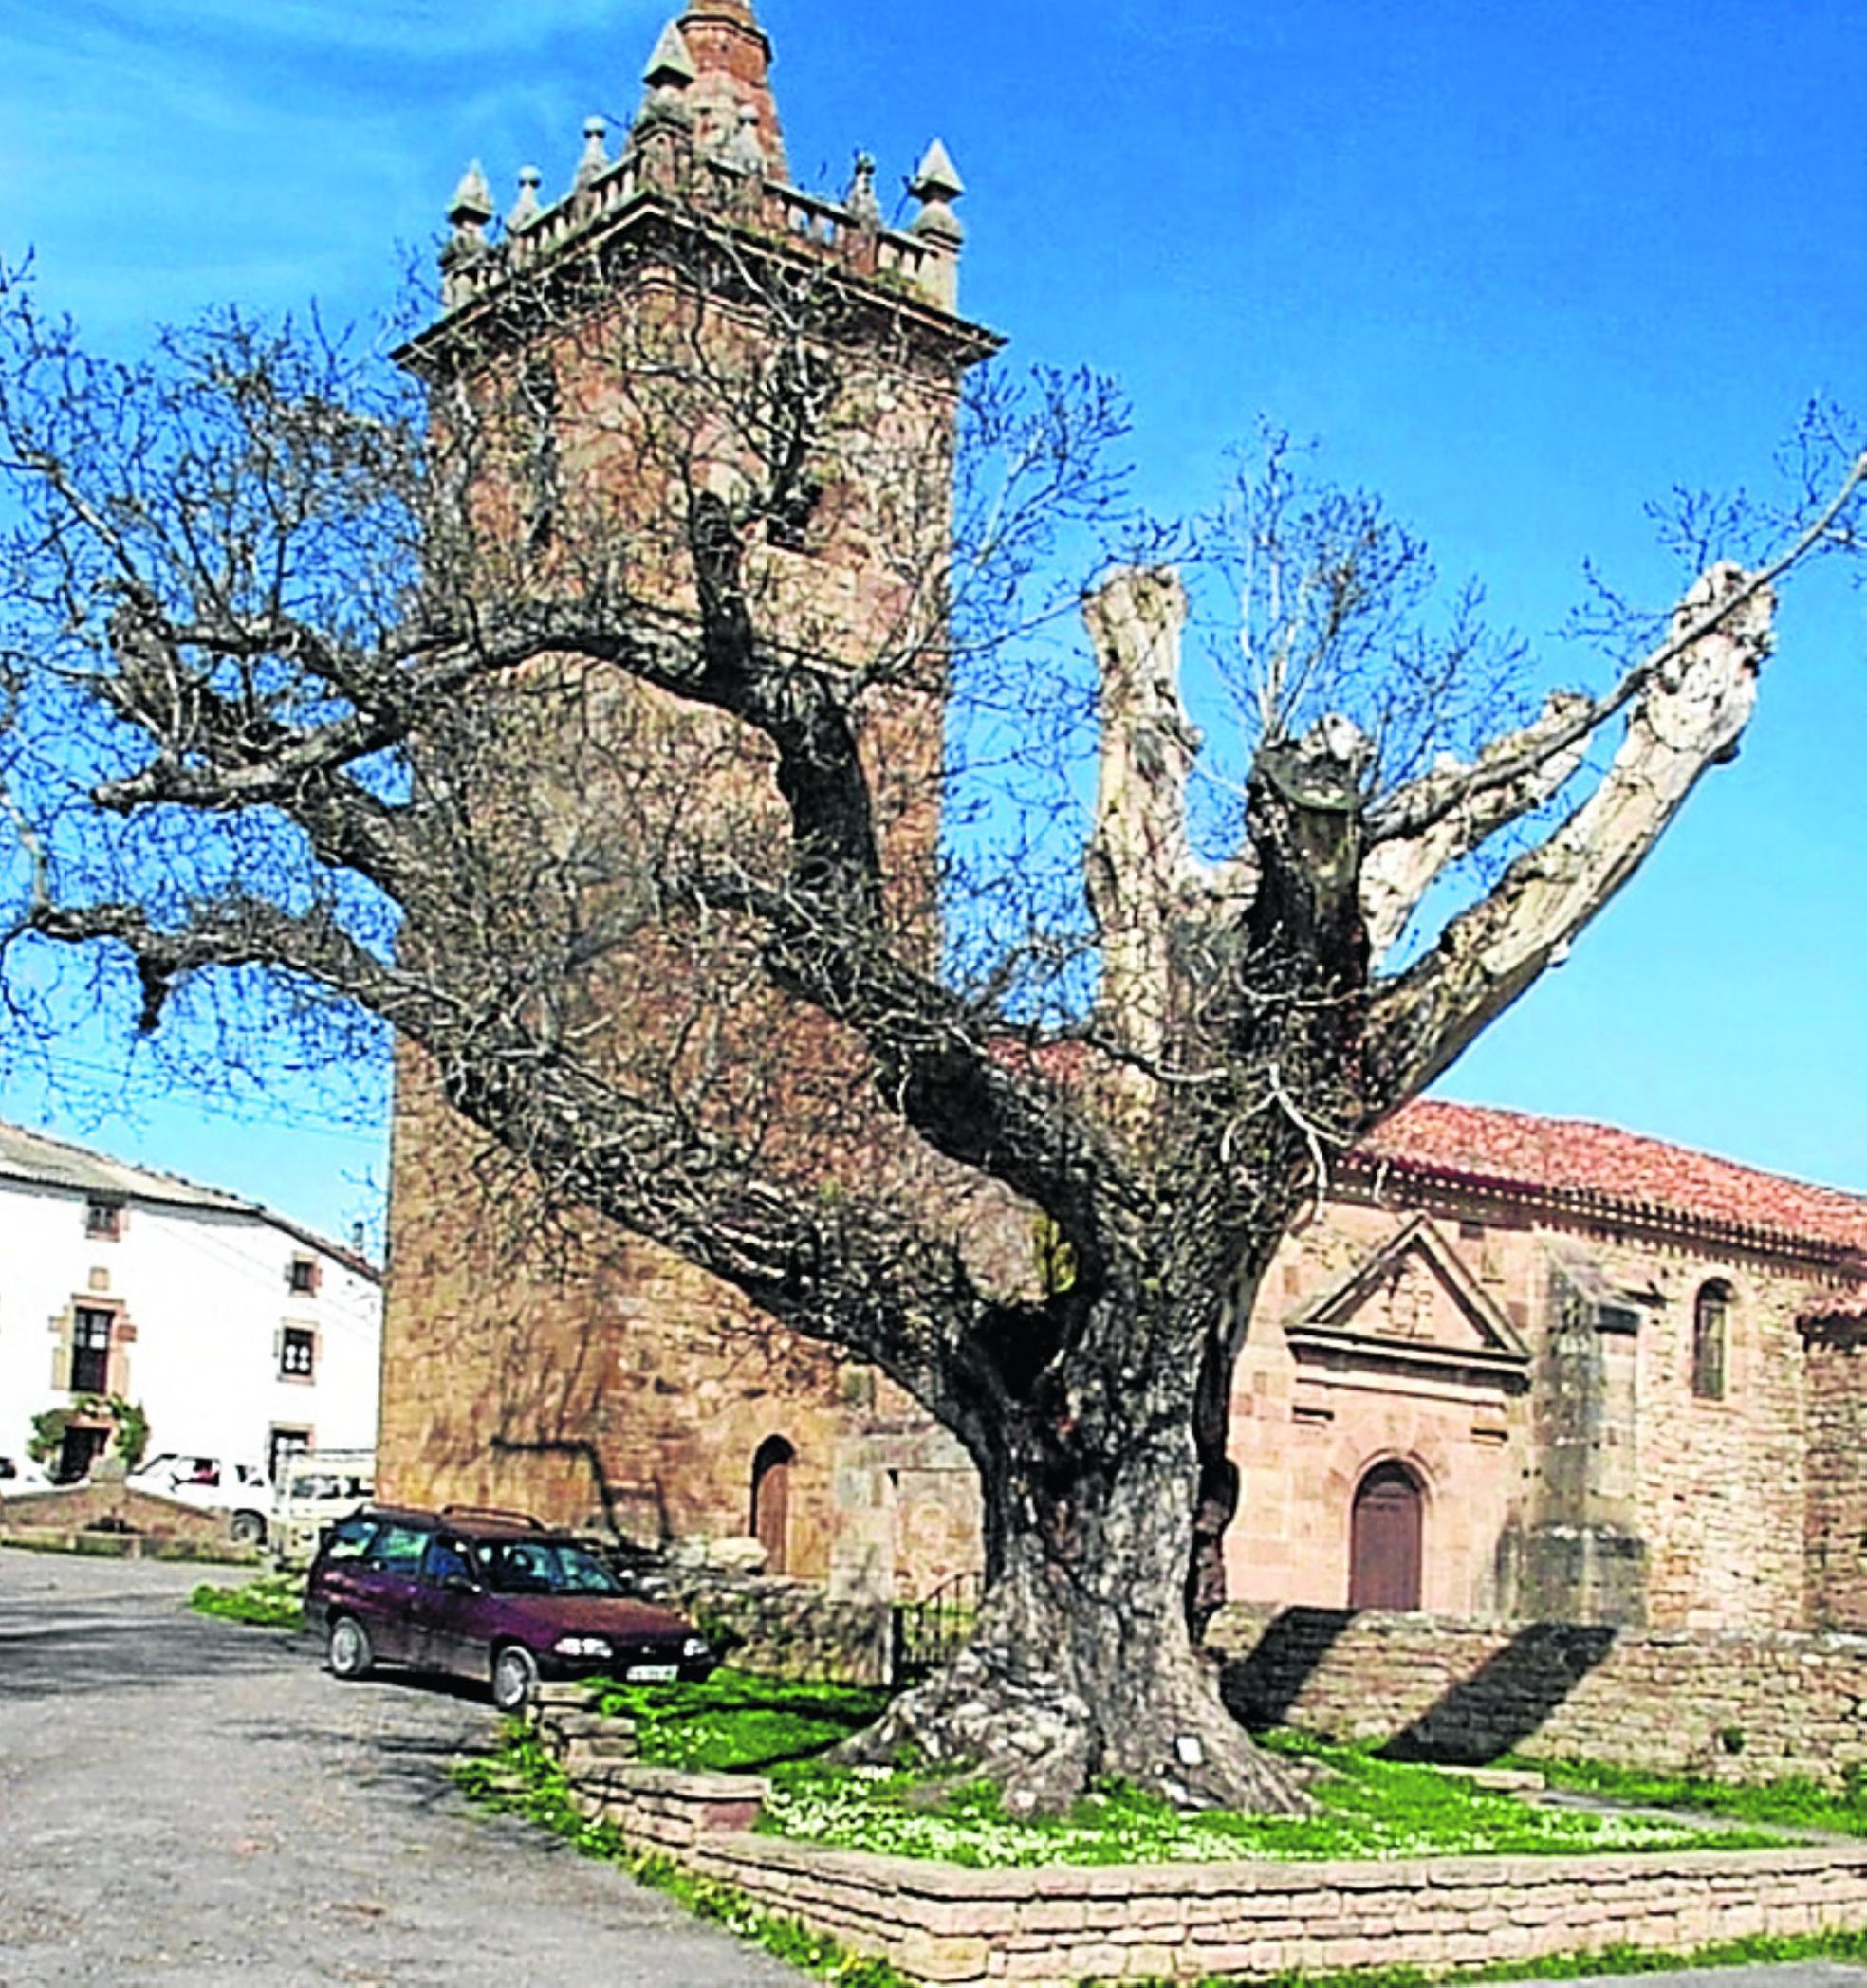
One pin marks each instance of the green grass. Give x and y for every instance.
(1760, 1949)
(268, 1601)
(522, 1779)
(1795, 1803)
(1366, 1807)
(737, 1723)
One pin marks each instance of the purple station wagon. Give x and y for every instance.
(486, 1594)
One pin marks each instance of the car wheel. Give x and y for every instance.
(350, 1651)
(249, 1529)
(515, 1678)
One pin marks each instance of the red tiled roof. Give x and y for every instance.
(1571, 1157)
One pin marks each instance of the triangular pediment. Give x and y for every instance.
(1412, 1297)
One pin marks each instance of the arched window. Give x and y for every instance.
(1711, 1330)
(771, 1500)
(1385, 1533)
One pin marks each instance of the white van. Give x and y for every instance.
(316, 1488)
(243, 1491)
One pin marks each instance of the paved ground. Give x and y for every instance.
(187, 1801)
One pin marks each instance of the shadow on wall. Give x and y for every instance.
(1295, 1674)
(1507, 1699)
(609, 1498)
(1262, 1688)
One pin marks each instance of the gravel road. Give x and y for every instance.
(183, 1800)
(187, 1801)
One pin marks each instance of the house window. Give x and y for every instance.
(103, 1220)
(538, 396)
(282, 1445)
(302, 1277)
(90, 1350)
(1710, 1331)
(298, 1352)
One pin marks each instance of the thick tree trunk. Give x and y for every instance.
(1082, 1667)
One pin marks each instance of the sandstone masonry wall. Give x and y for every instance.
(1836, 1431)
(1736, 1707)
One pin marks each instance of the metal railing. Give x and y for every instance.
(927, 1632)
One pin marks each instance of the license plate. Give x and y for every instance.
(651, 1673)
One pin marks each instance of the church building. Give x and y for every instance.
(1508, 1366)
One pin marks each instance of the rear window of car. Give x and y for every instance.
(543, 1567)
(349, 1538)
(399, 1547)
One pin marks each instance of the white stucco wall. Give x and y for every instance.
(205, 1295)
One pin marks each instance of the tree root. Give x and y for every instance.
(1041, 1742)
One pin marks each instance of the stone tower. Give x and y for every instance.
(588, 1376)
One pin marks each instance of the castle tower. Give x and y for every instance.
(603, 360)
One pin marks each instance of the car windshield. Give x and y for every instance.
(543, 1567)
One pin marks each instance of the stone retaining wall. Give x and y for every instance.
(1056, 1927)
(128, 1546)
(1739, 1707)
(787, 1629)
(1182, 1923)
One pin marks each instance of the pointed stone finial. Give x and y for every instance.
(860, 199)
(594, 163)
(672, 65)
(472, 206)
(936, 185)
(526, 207)
(668, 76)
(938, 180)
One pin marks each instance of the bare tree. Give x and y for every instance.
(407, 699)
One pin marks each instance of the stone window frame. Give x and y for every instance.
(294, 1335)
(304, 1274)
(1714, 1307)
(121, 1336)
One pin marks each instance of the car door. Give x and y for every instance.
(384, 1589)
(445, 1601)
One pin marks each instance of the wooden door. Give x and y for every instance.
(771, 1500)
(1384, 1540)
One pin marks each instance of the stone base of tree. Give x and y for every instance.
(1062, 1925)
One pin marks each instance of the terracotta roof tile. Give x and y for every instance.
(1512, 1149)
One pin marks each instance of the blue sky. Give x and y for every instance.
(1519, 269)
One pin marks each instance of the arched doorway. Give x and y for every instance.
(771, 1500)
(1385, 1531)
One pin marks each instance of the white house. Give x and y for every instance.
(238, 1334)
